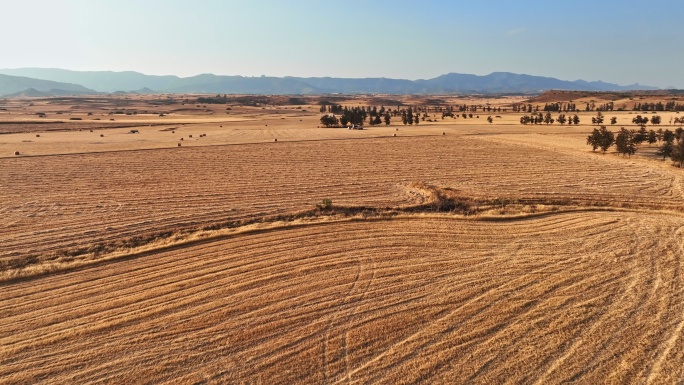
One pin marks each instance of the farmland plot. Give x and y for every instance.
(572, 273)
(408, 300)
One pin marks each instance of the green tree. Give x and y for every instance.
(606, 139)
(639, 120)
(640, 136)
(624, 142)
(548, 119)
(329, 121)
(598, 119)
(677, 154)
(594, 139)
(561, 119)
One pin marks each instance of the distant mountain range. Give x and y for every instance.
(51, 81)
(10, 85)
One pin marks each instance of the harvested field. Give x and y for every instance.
(161, 191)
(409, 300)
(493, 253)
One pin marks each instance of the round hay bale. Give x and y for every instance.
(16, 152)
(101, 135)
(394, 135)
(91, 130)
(189, 136)
(275, 140)
(179, 144)
(266, 125)
(173, 132)
(181, 139)
(37, 135)
(396, 129)
(443, 133)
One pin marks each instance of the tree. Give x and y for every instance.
(598, 119)
(576, 120)
(490, 120)
(624, 143)
(387, 119)
(329, 121)
(613, 120)
(561, 119)
(655, 119)
(668, 139)
(601, 138)
(677, 154)
(640, 136)
(606, 139)
(594, 139)
(641, 121)
(548, 119)
(652, 137)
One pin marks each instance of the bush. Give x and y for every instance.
(326, 204)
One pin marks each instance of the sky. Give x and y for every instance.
(621, 42)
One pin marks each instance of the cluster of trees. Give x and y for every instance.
(548, 119)
(669, 106)
(642, 121)
(218, 99)
(627, 141)
(556, 107)
(408, 117)
(355, 116)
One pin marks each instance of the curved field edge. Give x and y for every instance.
(425, 298)
(436, 201)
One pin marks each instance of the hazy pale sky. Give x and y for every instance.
(621, 42)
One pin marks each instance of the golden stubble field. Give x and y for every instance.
(126, 259)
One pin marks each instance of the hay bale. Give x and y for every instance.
(173, 132)
(189, 136)
(181, 139)
(37, 135)
(101, 135)
(16, 152)
(443, 133)
(394, 134)
(275, 140)
(179, 144)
